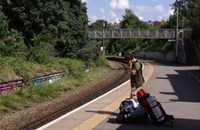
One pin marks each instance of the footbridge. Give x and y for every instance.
(138, 33)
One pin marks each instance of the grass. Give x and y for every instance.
(27, 95)
(13, 68)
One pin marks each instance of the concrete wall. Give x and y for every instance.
(156, 55)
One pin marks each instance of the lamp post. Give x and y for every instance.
(176, 6)
(177, 33)
(103, 26)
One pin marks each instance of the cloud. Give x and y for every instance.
(141, 17)
(102, 10)
(84, 0)
(143, 8)
(119, 4)
(93, 18)
(151, 12)
(117, 20)
(113, 14)
(165, 16)
(159, 9)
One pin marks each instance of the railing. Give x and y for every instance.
(137, 33)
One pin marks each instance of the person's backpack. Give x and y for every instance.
(128, 105)
(154, 108)
(132, 112)
(142, 95)
(141, 69)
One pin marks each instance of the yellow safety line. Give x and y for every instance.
(97, 118)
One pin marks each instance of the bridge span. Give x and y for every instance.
(138, 33)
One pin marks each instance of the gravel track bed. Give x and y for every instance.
(22, 118)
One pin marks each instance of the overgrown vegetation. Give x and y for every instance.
(25, 96)
(42, 37)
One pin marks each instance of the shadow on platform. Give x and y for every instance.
(187, 90)
(179, 124)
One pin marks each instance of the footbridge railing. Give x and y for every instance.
(137, 33)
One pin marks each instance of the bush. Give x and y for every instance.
(101, 61)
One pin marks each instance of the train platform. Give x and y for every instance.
(176, 87)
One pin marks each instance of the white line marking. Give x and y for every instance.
(75, 110)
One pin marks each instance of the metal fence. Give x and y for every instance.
(137, 33)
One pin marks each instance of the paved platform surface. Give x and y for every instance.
(176, 87)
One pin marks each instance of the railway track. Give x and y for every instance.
(124, 76)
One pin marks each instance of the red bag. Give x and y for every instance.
(142, 95)
(154, 108)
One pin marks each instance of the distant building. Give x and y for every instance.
(116, 25)
(156, 23)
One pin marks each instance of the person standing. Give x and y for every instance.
(136, 76)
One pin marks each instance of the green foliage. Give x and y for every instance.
(59, 25)
(3, 24)
(6, 71)
(101, 61)
(156, 45)
(99, 24)
(130, 20)
(42, 52)
(11, 42)
(193, 17)
(171, 23)
(189, 17)
(90, 52)
(11, 102)
(25, 96)
(74, 66)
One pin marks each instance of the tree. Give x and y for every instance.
(11, 41)
(60, 25)
(190, 9)
(130, 20)
(100, 23)
(3, 24)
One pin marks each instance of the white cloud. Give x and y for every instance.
(119, 4)
(102, 10)
(159, 9)
(113, 14)
(143, 8)
(93, 18)
(165, 16)
(84, 0)
(171, 12)
(116, 20)
(144, 11)
(141, 17)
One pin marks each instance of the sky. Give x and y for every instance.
(113, 10)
